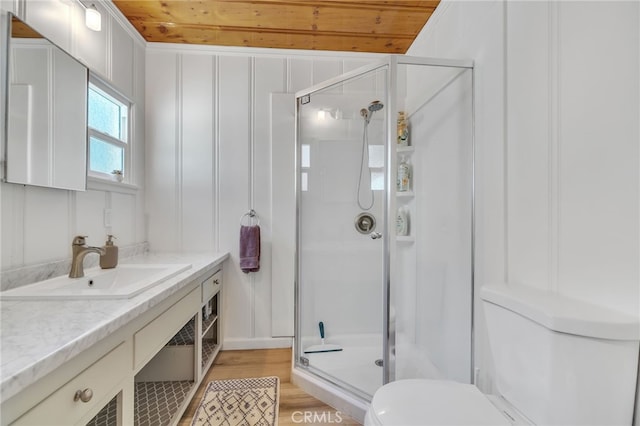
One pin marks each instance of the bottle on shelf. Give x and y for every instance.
(403, 182)
(403, 129)
(402, 222)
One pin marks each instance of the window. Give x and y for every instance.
(108, 121)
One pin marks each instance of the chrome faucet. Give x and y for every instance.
(79, 250)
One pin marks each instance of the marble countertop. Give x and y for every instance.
(36, 337)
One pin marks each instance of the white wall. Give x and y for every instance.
(38, 224)
(557, 131)
(209, 160)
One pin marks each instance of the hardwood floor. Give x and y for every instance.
(296, 406)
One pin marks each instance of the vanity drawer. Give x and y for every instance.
(211, 286)
(151, 338)
(101, 378)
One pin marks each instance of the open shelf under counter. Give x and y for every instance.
(186, 335)
(158, 403)
(209, 350)
(208, 323)
(210, 337)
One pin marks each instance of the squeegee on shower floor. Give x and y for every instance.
(322, 347)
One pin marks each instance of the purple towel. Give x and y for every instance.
(249, 248)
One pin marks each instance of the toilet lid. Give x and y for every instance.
(433, 402)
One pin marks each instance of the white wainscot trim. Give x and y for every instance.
(258, 343)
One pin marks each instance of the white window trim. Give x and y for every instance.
(98, 184)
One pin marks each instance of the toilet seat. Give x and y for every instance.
(432, 402)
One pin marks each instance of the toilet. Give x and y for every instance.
(557, 361)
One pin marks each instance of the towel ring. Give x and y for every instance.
(251, 214)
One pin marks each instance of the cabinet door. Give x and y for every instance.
(69, 88)
(95, 385)
(118, 411)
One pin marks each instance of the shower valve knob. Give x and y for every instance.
(375, 235)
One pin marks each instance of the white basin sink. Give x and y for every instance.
(122, 282)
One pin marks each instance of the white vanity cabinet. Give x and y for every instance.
(148, 341)
(211, 330)
(85, 394)
(176, 370)
(164, 352)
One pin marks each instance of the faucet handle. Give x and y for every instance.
(79, 240)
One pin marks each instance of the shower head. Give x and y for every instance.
(375, 106)
(367, 113)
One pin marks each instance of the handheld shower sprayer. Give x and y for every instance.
(375, 106)
(366, 113)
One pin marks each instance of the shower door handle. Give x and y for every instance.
(375, 235)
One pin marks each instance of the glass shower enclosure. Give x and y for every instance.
(384, 279)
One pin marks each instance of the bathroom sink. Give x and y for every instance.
(122, 282)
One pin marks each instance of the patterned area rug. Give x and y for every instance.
(246, 402)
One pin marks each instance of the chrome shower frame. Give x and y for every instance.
(386, 227)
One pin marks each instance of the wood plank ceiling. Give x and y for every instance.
(382, 26)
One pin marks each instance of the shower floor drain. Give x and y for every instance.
(379, 362)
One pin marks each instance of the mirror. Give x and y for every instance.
(46, 132)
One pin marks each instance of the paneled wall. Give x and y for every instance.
(572, 158)
(38, 224)
(209, 160)
(557, 145)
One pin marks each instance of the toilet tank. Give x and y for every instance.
(560, 361)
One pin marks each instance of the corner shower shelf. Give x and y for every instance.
(408, 239)
(405, 194)
(405, 149)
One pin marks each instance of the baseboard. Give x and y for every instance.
(259, 343)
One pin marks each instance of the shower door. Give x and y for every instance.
(341, 175)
